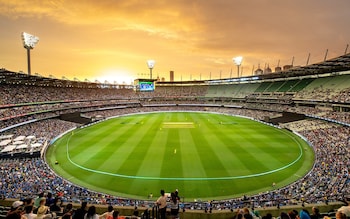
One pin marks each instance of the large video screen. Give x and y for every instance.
(146, 86)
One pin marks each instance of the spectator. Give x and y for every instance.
(28, 202)
(16, 211)
(304, 214)
(108, 214)
(43, 212)
(136, 212)
(161, 202)
(29, 212)
(38, 200)
(340, 215)
(284, 215)
(91, 213)
(68, 211)
(315, 213)
(293, 214)
(345, 209)
(80, 212)
(49, 199)
(56, 206)
(174, 206)
(115, 214)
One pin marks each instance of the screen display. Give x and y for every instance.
(146, 86)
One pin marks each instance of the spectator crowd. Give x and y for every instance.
(23, 178)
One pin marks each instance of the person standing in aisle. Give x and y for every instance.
(161, 202)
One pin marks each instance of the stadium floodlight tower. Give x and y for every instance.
(150, 64)
(29, 42)
(238, 61)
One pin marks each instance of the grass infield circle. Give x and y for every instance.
(203, 155)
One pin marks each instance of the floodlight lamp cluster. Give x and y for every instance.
(29, 41)
(150, 63)
(237, 60)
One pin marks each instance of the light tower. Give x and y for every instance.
(29, 42)
(238, 61)
(150, 64)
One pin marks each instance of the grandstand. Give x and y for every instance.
(33, 108)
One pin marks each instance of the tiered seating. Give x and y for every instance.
(3, 211)
(324, 89)
(274, 86)
(20, 144)
(263, 86)
(301, 85)
(287, 86)
(259, 96)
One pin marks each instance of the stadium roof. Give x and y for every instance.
(338, 64)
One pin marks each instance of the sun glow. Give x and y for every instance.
(116, 76)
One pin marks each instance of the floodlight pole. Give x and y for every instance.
(29, 42)
(28, 60)
(150, 73)
(150, 64)
(238, 62)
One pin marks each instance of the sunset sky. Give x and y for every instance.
(112, 39)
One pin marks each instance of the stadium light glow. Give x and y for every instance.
(238, 61)
(150, 64)
(29, 42)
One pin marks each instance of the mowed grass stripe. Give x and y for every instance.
(120, 149)
(191, 166)
(220, 133)
(271, 149)
(105, 147)
(172, 162)
(257, 155)
(100, 162)
(207, 147)
(153, 159)
(83, 140)
(71, 172)
(60, 154)
(226, 151)
(137, 145)
(235, 143)
(248, 156)
(93, 138)
(119, 135)
(271, 145)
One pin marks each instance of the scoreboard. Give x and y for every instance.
(144, 85)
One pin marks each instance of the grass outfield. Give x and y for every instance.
(204, 155)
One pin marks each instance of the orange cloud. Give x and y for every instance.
(189, 37)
